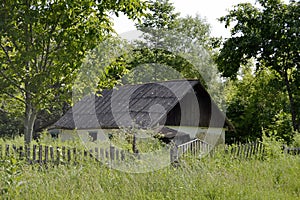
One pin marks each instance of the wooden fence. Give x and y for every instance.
(59, 155)
(292, 150)
(198, 148)
(255, 149)
(248, 150)
(195, 147)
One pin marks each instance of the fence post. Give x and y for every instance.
(7, 150)
(63, 151)
(75, 155)
(27, 153)
(96, 153)
(14, 150)
(40, 154)
(51, 154)
(112, 153)
(174, 156)
(122, 155)
(102, 156)
(106, 154)
(21, 153)
(117, 155)
(57, 155)
(34, 154)
(46, 154)
(69, 155)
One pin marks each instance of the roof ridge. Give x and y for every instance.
(152, 82)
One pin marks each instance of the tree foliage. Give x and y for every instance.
(168, 40)
(255, 105)
(43, 43)
(270, 34)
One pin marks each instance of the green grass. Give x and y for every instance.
(273, 176)
(210, 178)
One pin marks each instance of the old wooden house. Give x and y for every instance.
(179, 110)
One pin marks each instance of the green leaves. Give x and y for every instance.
(43, 44)
(270, 35)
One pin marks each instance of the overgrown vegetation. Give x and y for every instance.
(41, 52)
(273, 176)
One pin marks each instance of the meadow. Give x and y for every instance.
(273, 176)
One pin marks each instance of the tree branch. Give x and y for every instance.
(13, 96)
(11, 63)
(6, 53)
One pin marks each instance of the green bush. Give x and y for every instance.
(296, 139)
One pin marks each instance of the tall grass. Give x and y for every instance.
(211, 178)
(218, 177)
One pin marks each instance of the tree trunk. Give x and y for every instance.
(30, 116)
(291, 99)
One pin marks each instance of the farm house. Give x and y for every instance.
(179, 110)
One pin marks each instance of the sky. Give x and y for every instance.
(208, 9)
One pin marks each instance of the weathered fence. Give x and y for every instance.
(194, 147)
(292, 150)
(255, 149)
(248, 150)
(59, 155)
(198, 148)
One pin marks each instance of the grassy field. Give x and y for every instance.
(275, 176)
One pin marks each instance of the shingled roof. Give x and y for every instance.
(144, 105)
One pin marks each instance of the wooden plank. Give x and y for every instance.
(247, 147)
(63, 151)
(174, 154)
(21, 152)
(102, 154)
(117, 154)
(40, 154)
(75, 155)
(46, 154)
(52, 154)
(7, 150)
(57, 155)
(69, 155)
(123, 157)
(34, 153)
(85, 153)
(14, 147)
(112, 153)
(238, 151)
(97, 153)
(27, 153)
(107, 154)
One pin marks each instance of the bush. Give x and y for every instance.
(296, 139)
(273, 146)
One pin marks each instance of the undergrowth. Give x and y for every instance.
(218, 177)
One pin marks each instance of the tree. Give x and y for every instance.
(43, 43)
(270, 34)
(182, 43)
(11, 112)
(174, 47)
(255, 104)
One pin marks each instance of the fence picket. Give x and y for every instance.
(57, 155)
(7, 150)
(21, 152)
(44, 154)
(34, 153)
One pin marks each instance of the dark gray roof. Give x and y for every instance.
(143, 105)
